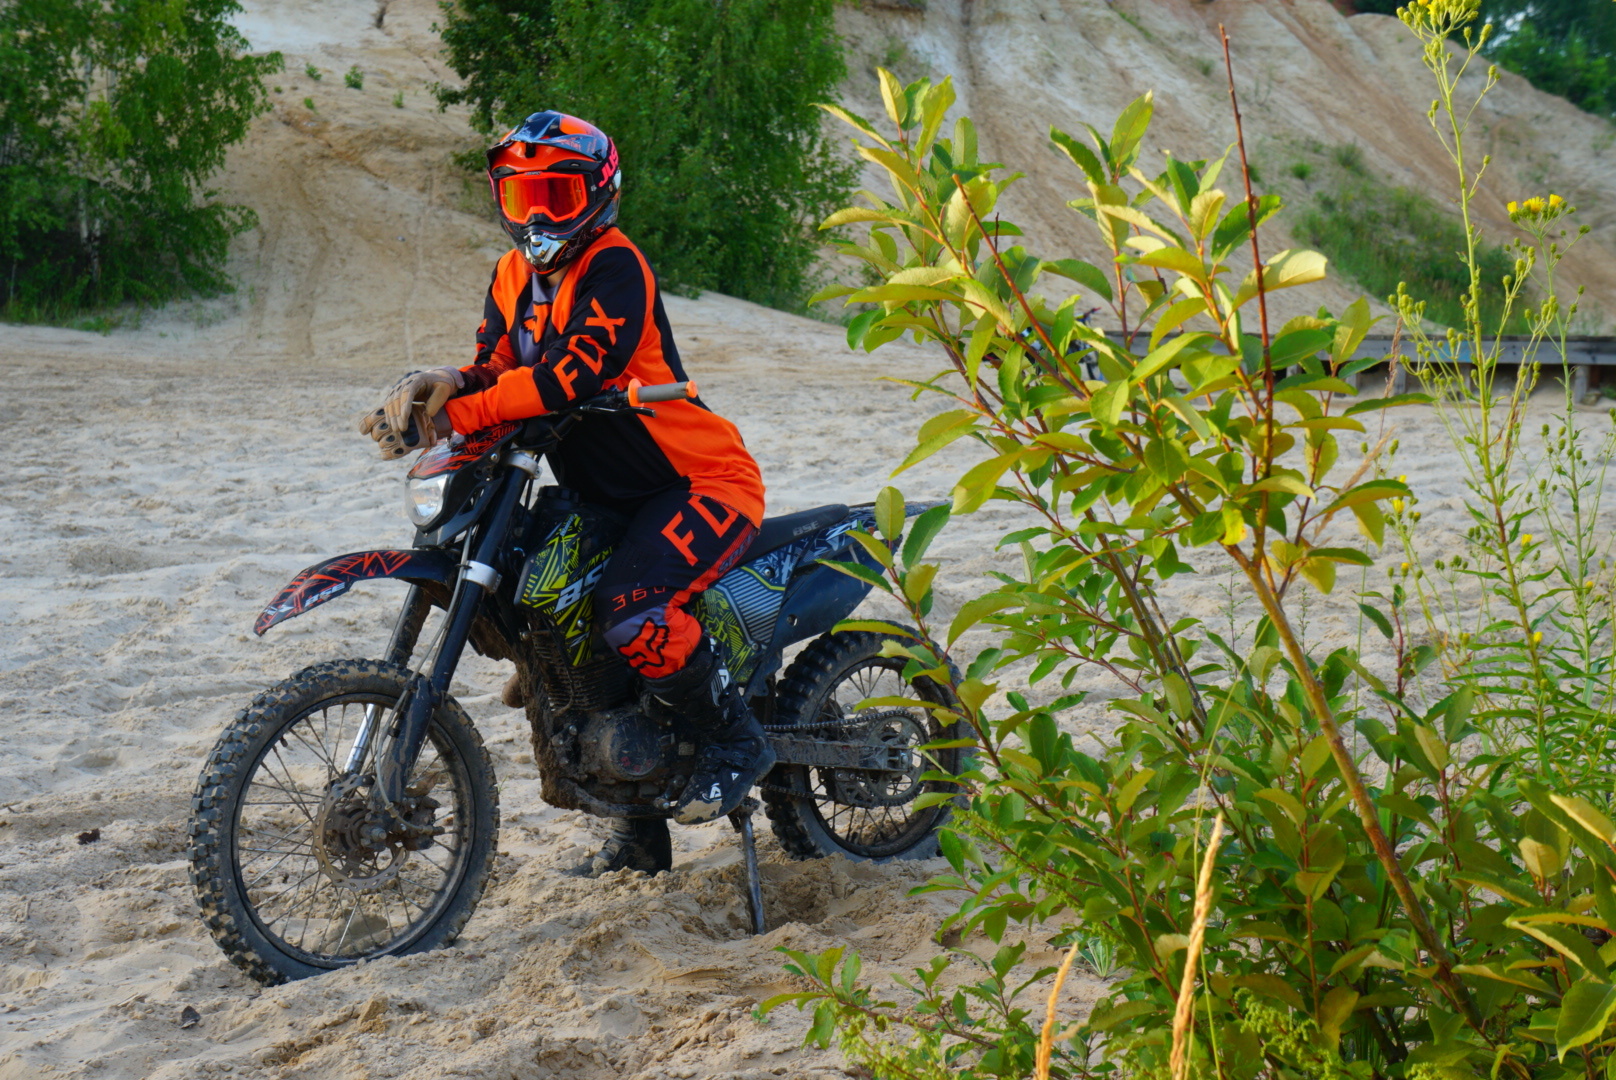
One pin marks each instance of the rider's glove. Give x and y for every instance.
(418, 396)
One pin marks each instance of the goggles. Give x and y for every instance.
(557, 196)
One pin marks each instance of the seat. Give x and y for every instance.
(777, 532)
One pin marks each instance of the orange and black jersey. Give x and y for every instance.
(604, 324)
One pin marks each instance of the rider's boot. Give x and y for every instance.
(735, 751)
(634, 844)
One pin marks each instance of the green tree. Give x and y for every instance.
(113, 114)
(1564, 47)
(711, 105)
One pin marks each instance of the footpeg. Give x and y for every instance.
(742, 820)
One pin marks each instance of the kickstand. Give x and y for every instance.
(742, 820)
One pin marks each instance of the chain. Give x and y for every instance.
(846, 721)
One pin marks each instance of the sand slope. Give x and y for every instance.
(1304, 72)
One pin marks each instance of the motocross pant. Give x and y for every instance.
(677, 544)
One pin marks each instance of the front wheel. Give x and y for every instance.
(860, 814)
(295, 868)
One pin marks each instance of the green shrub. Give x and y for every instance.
(313, 72)
(1408, 889)
(725, 169)
(112, 117)
(354, 79)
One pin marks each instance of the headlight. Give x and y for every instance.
(423, 498)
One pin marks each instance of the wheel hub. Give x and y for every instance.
(362, 846)
(898, 733)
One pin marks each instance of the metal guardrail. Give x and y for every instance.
(1583, 353)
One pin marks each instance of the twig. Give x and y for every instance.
(1251, 210)
(1184, 1010)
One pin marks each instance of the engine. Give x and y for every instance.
(624, 744)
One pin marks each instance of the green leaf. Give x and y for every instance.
(1272, 986)
(831, 292)
(1335, 1010)
(924, 530)
(1564, 940)
(1130, 129)
(901, 294)
(860, 325)
(978, 608)
(937, 433)
(1166, 355)
(1584, 1014)
(976, 486)
(1374, 615)
(860, 571)
(889, 515)
(917, 582)
(1341, 554)
(1081, 155)
(892, 96)
(1287, 269)
(1086, 274)
(877, 551)
(1374, 404)
(1583, 813)
(1175, 259)
(1109, 403)
(848, 215)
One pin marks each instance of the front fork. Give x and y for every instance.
(426, 691)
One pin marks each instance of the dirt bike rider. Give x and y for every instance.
(572, 309)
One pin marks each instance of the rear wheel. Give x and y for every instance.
(860, 814)
(295, 868)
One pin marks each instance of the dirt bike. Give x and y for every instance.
(350, 811)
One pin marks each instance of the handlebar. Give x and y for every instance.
(678, 391)
(634, 398)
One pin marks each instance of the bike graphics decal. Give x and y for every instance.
(456, 454)
(740, 609)
(330, 579)
(555, 583)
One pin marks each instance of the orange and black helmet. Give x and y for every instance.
(556, 182)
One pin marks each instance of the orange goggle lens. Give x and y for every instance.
(558, 196)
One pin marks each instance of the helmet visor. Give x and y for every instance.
(557, 196)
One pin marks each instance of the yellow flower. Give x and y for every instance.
(1538, 210)
(1405, 566)
(1537, 637)
(1397, 505)
(1403, 479)
(1526, 538)
(1439, 17)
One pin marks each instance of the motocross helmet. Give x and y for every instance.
(556, 182)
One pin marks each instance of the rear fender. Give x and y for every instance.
(330, 579)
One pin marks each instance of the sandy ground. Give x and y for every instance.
(175, 473)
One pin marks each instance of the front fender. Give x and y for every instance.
(330, 579)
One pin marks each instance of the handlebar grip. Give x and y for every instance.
(640, 394)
